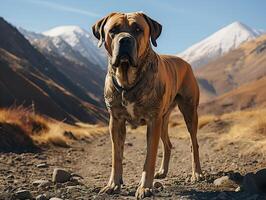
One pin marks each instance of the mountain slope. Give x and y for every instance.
(247, 96)
(219, 43)
(81, 41)
(240, 66)
(27, 76)
(70, 62)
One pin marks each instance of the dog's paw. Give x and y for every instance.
(160, 175)
(143, 192)
(110, 189)
(196, 177)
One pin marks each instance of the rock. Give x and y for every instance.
(18, 159)
(225, 181)
(41, 183)
(157, 184)
(41, 197)
(42, 165)
(10, 181)
(76, 175)
(60, 175)
(187, 180)
(72, 183)
(23, 194)
(238, 189)
(129, 144)
(11, 162)
(10, 176)
(220, 181)
(70, 189)
(40, 157)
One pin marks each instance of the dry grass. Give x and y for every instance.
(260, 125)
(42, 130)
(24, 117)
(206, 119)
(248, 129)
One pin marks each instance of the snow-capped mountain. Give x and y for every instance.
(219, 43)
(53, 45)
(30, 35)
(81, 41)
(71, 42)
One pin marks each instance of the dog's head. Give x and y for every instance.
(126, 36)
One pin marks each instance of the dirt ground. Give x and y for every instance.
(91, 159)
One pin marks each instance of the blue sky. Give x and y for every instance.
(184, 22)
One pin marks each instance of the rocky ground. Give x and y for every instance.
(87, 169)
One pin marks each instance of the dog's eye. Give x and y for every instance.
(114, 30)
(138, 30)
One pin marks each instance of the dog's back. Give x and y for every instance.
(177, 73)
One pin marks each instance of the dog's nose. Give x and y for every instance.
(125, 40)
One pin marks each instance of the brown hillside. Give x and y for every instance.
(236, 68)
(26, 76)
(247, 96)
(73, 65)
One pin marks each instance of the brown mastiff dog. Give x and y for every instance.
(142, 87)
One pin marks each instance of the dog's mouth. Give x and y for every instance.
(123, 61)
(125, 72)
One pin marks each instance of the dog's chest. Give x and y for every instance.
(133, 113)
(138, 111)
(130, 109)
(137, 106)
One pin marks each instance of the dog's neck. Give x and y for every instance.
(148, 59)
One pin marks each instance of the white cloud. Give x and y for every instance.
(63, 8)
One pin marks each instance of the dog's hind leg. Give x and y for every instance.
(167, 146)
(189, 111)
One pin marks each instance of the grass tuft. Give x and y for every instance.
(20, 126)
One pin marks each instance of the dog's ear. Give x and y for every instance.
(98, 29)
(155, 29)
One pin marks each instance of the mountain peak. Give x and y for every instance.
(237, 23)
(80, 40)
(57, 31)
(239, 26)
(219, 43)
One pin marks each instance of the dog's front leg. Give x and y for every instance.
(118, 133)
(153, 136)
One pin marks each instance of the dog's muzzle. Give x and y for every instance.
(125, 51)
